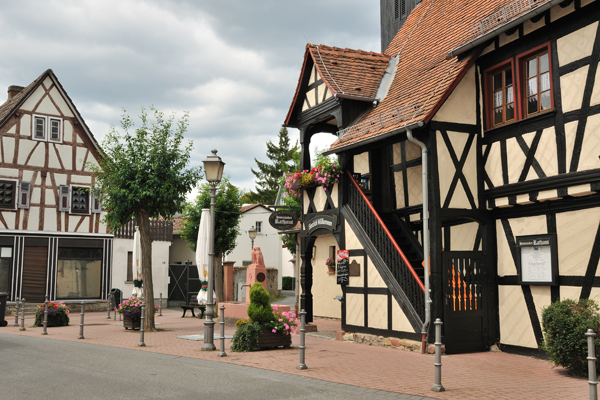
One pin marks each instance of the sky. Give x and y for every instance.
(232, 64)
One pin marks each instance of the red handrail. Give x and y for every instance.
(387, 232)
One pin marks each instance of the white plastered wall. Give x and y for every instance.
(325, 287)
(460, 105)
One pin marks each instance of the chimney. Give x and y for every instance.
(14, 90)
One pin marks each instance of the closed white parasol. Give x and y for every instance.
(202, 256)
(137, 264)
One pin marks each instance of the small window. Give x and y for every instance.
(537, 75)
(130, 266)
(63, 198)
(80, 200)
(24, 191)
(39, 128)
(503, 96)
(258, 226)
(55, 130)
(8, 194)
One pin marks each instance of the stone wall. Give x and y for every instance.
(239, 279)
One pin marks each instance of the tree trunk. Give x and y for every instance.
(219, 278)
(143, 220)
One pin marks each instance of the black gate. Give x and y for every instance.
(183, 281)
(466, 290)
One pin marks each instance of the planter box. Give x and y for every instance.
(270, 340)
(133, 324)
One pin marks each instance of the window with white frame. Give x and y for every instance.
(47, 128)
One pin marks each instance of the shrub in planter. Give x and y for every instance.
(260, 309)
(57, 311)
(246, 336)
(565, 324)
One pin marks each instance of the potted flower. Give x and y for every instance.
(330, 262)
(325, 174)
(132, 312)
(285, 322)
(58, 314)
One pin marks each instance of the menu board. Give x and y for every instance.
(342, 269)
(537, 259)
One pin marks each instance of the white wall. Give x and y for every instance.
(160, 267)
(268, 241)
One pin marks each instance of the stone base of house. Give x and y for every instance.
(374, 340)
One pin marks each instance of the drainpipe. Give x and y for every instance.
(425, 236)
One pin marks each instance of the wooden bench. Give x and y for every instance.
(193, 303)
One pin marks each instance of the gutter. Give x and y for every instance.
(427, 321)
(355, 97)
(501, 29)
(385, 135)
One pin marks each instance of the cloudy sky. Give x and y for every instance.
(233, 64)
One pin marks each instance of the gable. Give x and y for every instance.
(316, 91)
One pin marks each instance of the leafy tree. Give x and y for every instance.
(144, 174)
(227, 207)
(268, 175)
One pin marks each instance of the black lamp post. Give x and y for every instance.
(213, 168)
(252, 234)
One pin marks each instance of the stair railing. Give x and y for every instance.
(385, 244)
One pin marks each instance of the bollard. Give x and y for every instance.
(160, 306)
(108, 305)
(81, 323)
(437, 386)
(222, 336)
(592, 377)
(302, 365)
(17, 313)
(45, 331)
(22, 328)
(115, 316)
(141, 343)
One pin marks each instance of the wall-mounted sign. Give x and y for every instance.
(343, 257)
(538, 260)
(283, 220)
(328, 222)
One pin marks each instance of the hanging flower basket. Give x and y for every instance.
(325, 175)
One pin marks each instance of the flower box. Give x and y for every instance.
(131, 323)
(269, 340)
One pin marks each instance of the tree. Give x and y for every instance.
(268, 175)
(144, 174)
(227, 209)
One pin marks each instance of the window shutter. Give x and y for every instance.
(24, 189)
(96, 205)
(63, 198)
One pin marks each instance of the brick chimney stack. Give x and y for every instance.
(14, 90)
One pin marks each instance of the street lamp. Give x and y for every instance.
(213, 168)
(252, 234)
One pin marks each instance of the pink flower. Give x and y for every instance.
(274, 330)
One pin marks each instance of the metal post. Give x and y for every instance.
(222, 336)
(81, 323)
(437, 386)
(108, 306)
(44, 331)
(209, 324)
(302, 365)
(160, 306)
(17, 313)
(592, 377)
(22, 328)
(141, 343)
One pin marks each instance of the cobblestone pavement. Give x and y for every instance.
(465, 376)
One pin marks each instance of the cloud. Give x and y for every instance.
(233, 64)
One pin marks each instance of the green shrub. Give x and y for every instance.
(241, 322)
(245, 337)
(286, 283)
(565, 324)
(260, 309)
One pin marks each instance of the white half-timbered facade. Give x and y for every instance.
(504, 96)
(52, 242)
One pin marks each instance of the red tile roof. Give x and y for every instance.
(424, 77)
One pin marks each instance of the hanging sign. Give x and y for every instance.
(538, 260)
(328, 222)
(283, 220)
(342, 267)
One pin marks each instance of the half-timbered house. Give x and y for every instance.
(495, 104)
(52, 242)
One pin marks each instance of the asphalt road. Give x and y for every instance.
(41, 368)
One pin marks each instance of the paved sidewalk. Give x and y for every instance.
(465, 376)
